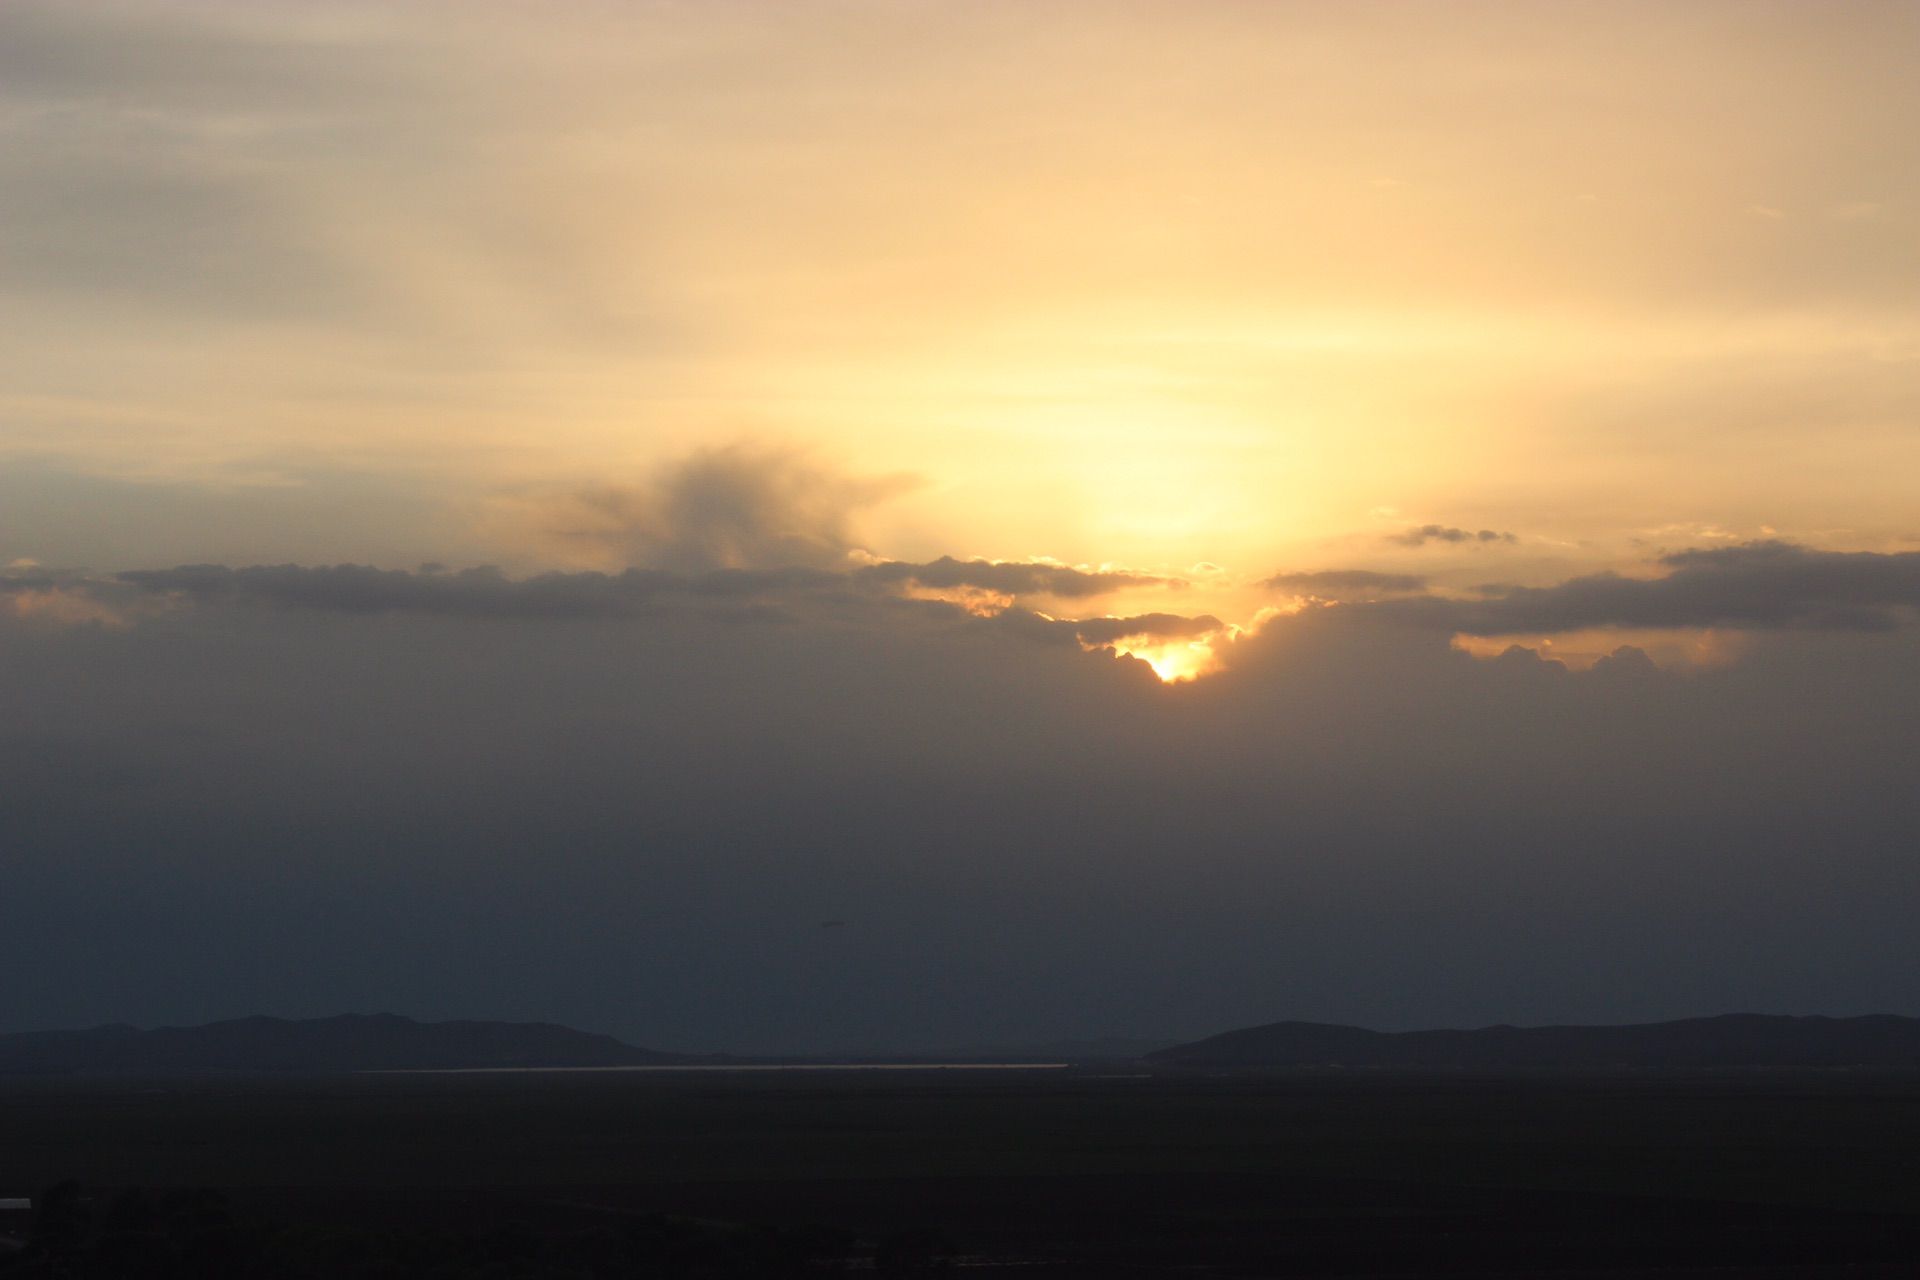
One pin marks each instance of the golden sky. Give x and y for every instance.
(1257, 286)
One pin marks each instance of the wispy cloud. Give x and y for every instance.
(1426, 533)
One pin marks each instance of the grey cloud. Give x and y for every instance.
(474, 593)
(1628, 662)
(1426, 533)
(481, 592)
(335, 774)
(186, 58)
(1005, 578)
(29, 580)
(1332, 583)
(751, 507)
(737, 507)
(1758, 586)
(486, 592)
(634, 823)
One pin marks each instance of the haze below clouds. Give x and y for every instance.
(513, 515)
(632, 801)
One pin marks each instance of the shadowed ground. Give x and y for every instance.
(1338, 1173)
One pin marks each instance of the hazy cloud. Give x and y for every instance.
(1426, 533)
(488, 592)
(307, 790)
(480, 592)
(735, 507)
(1010, 578)
(1760, 585)
(1756, 586)
(1335, 583)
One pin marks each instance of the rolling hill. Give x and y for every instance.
(350, 1042)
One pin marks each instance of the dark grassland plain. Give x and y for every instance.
(1064, 1173)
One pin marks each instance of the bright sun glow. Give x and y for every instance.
(1173, 661)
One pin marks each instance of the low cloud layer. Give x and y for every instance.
(487, 592)
(625, 801)
(1335, 584)
(1759, 586)
(476, 593)
(1012, 579)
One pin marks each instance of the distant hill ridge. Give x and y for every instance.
(1730, 1040)
(349, 1042)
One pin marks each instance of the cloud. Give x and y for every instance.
(60, 599)
(297, 791)
(486, 592)
(1758, 586)
(1761, 585)
(1426, 533)
(1338, 583)
(475, 592)
(60, 607)
(1010, 578)
(733, 507)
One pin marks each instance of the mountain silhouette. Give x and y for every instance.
(1731, 1040)
(349, 1042)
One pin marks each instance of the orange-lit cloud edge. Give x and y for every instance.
(1178, 648)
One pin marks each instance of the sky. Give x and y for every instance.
(842, 526)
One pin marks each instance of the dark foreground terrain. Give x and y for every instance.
(1049, 1174)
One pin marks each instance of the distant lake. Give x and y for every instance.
(744, 1066)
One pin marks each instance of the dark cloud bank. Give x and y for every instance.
(1760, 585)
(757, 595)
(627, 802)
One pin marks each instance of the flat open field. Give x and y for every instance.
(980, 1173)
